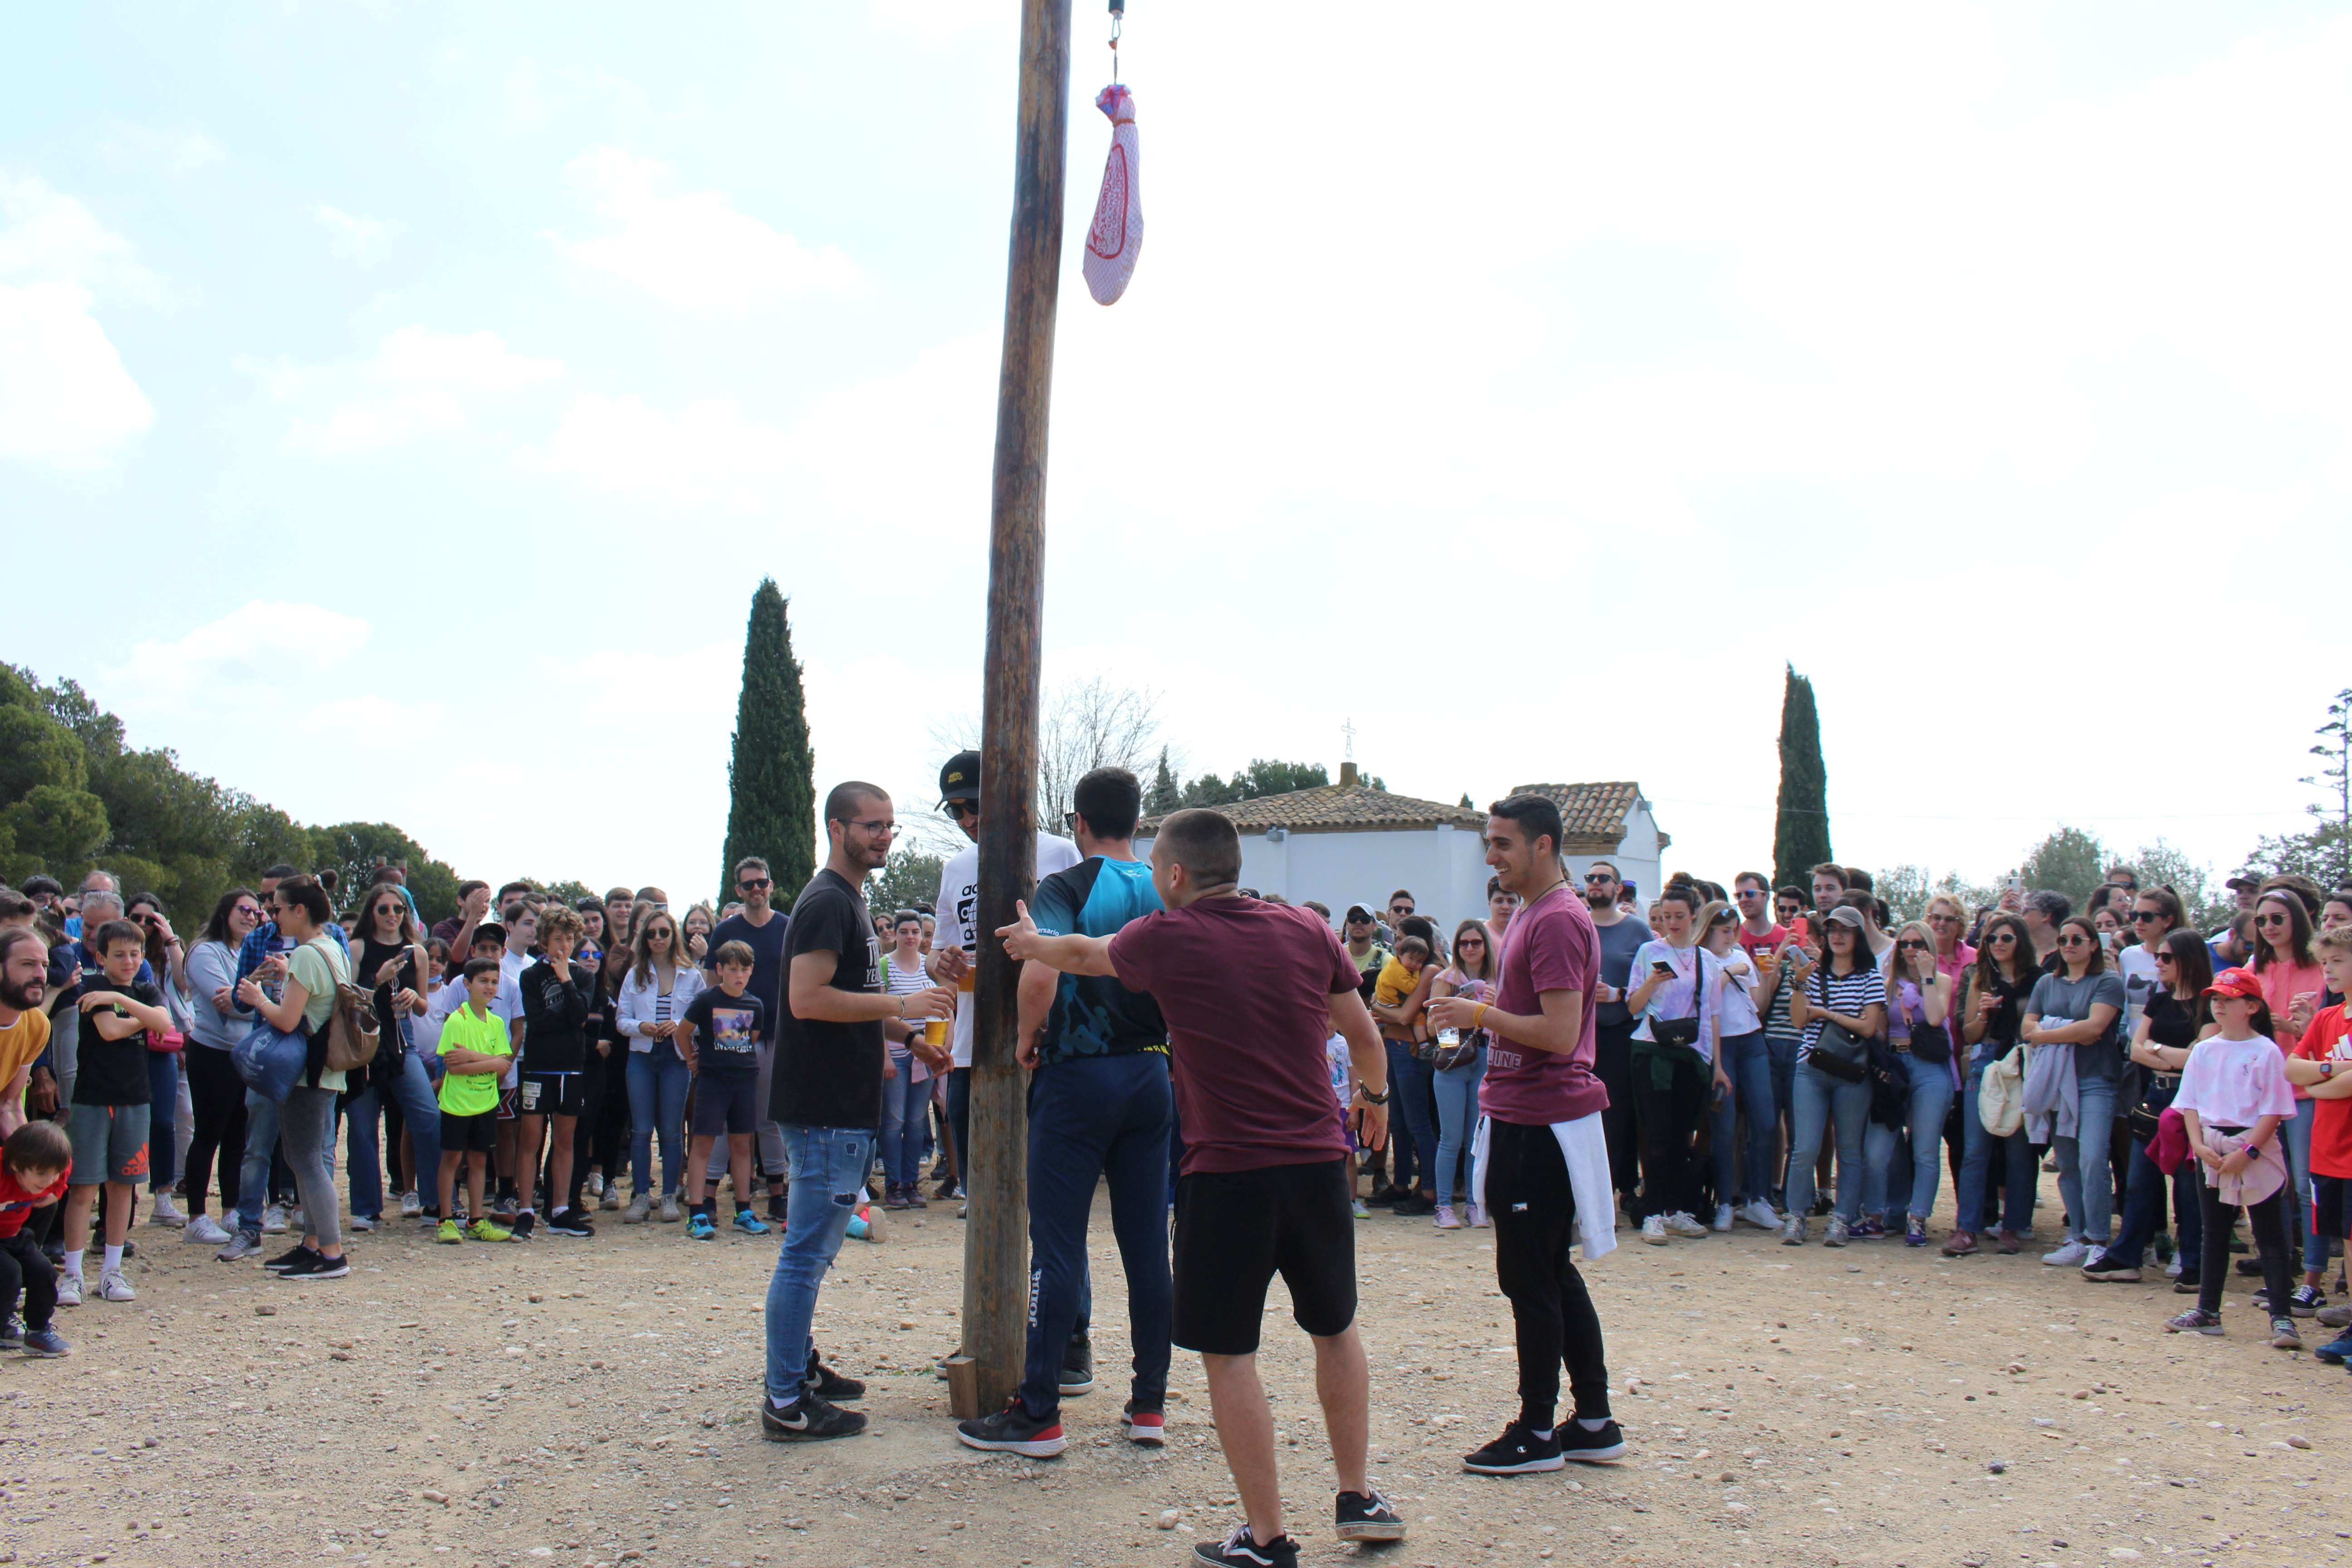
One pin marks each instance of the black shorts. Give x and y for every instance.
(553, 1094)
(725, 1104)
(2331, 1206)
(1235, 1230)
(474, 1134)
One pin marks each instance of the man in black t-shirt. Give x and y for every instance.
(828, 1096)
(760, 928)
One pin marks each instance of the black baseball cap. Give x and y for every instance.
(959, 780)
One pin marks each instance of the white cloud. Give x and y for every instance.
(692, 249)
(245, 658)
(352, 235)
(179, 152)
(66, 398)
(418, 383)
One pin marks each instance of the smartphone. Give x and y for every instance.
(1449, 1038)
(1662, 968)
(2017, 884)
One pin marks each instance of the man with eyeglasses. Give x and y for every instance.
(954, 942)
(828, 1096)
(762, 929)
(1621, 936)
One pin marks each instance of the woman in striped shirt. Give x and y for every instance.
(1845, 988)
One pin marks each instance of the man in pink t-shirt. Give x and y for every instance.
(1252, 993)
(1540, 1079)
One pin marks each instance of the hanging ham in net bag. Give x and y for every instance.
(1116, 233)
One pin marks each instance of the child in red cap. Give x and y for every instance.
(2233, 1095)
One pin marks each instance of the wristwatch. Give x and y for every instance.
(1369, 1098)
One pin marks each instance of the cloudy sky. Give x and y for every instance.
(399, 405)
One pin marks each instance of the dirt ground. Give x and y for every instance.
(592, 1402)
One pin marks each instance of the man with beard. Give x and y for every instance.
(24, 1027)
(1621, 936)
(827, 1097)
(1543, 1170)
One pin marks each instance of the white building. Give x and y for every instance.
(1345, 843)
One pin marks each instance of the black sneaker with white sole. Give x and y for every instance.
(318, 1265)
(1013, 1430)
(570, 1222)
(1078, 1366)
(523, 1225)
(1517, 1452)
(827, 1383)
(1580, 1443)
(1239, 1551)
(1368, 1516)
(284, 1261)
(807, 1419)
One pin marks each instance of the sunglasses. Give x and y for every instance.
(960, 809)
(2074, 939)
(1592, 877)
(753, 884)
(2008, 936)
(2271, 920)
(1472, 941)
(2166, 958)
(2141, 917)
(1913, 946)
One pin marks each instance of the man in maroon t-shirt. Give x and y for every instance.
(1540, 1085)
(1251, 992)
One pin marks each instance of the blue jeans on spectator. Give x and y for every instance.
(657, 1084)
(1457, 1120)
(2299, 1226)
(253, 1173)
(1755, 1094)
(1413, 1156)
(828, 1182)
(2144, 1210)
(1822, 1102)
(1092, 1119)
(2084, 1182)
(411, 1089)
(2019, 1172)
(905, 1107)
(163, 1105)
(1782, 1051)
(1901, 1164)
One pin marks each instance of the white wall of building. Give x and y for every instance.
(1444, 868)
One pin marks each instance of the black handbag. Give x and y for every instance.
(1683, 1031)
(1837, 1050)
(1932, 1043)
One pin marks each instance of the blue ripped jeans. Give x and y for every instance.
(829, 1166)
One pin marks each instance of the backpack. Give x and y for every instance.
(351, 1029)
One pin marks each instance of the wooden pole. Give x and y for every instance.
(996, 1237)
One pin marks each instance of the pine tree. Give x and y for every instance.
(1164, 796)
(1800, 832)
(772, 806)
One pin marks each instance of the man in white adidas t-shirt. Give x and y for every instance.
(952, 943)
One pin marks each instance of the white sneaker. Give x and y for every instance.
(69, 1289)
(1792, 1230)
(1478, 1220)
(412, 1206)
(361, 1222)
(1681, 1223)
(612, 1199)
(2172, 1269)
(669, 1210)
(273, 1221)
(596, 1184)
(1722, 1217)
(2070, 1256)
(113, 1287)
(1653, 1230)
(164, 1212)
(1837, 1233)
(1445, 1220)
(296, 1220)
(2092, 1256)
(1759, 1213)
(206, 1229)
(639, 1208)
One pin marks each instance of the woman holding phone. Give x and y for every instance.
(1918, 1026)
(1743, 1072)
(1990, 1018)
(1459, 1068)
(1845, 989)
(1675, 1072)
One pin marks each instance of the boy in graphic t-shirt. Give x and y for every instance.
(725, 1024)
(108, 1121)
(2322, 1065)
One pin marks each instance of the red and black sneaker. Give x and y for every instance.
(1145, 1423)
(1013, 1430)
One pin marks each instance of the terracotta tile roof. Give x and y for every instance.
(1337, 808)
(1589, 810)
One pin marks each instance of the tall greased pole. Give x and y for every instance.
(996, 1241)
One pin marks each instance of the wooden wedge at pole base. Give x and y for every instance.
(963, 1388)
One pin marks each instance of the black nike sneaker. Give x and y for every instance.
(807, 1419)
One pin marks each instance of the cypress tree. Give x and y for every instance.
(771, 780)
(1163, 796)
(1800, 832)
